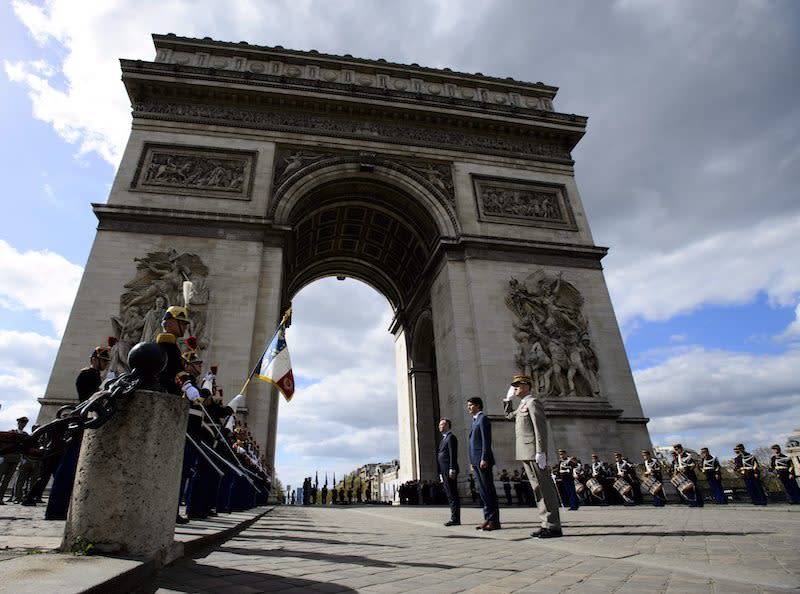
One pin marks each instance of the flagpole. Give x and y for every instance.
(285, 317)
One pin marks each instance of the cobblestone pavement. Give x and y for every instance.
(24, 531)
(381, 549)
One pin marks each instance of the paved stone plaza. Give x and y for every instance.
(375, 549)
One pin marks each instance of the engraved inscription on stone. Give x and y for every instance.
(523, 202)
(162, 279)
(554, 346)
(433, 84)
(216, 173)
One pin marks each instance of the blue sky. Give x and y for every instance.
(689, 173)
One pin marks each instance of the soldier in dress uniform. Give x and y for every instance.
(652, 470)
(625, 470)
(175, 323)
(90, 378)
(782, 466)
(599, 472)
(580, 474)
(566, 468)
(684, 464)
(9, 462)
(748, 467)
(709, 466)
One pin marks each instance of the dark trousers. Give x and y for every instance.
(453, 498)
(792, 489)
(485, 480)
(716, 489)
(572, 496)
(756, 491)
(63, 480)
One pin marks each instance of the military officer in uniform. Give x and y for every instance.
(746, 464)
(566, 469)
(709, 466)
(531, 447)
(782, 466)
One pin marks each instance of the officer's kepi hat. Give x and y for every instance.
(178, 313)
(521, 380)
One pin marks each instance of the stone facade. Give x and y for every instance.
(440, 189)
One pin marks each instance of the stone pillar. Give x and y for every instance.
(125, 496)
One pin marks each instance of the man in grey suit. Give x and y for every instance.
(531, 431)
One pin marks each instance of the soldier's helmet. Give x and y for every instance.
(191, 357)
(176, 312)
(102, 352)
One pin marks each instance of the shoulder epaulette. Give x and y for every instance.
(166, 338)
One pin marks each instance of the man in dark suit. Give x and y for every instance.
(481, 459)
(447, 460)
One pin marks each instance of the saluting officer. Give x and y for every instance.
(746, 464)
(712, 470)
(781, 464)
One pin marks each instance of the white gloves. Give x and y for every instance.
(509, 394)
(191, 392)
(110, 376)
(541, 460)
(208, 381)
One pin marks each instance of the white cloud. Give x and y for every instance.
(728, 267)
(40, 281)
(721, 398)
(348, 417)
(25, 362)
(792, 331)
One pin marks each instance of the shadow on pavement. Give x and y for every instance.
(314, 556)
(324, 541)
(190, 576)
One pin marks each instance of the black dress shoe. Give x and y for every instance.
(536, 533)
(179, 519)
(550, 533)
(452, 523)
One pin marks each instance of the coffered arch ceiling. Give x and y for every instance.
(368, 230)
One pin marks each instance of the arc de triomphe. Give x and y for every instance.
(253, 171)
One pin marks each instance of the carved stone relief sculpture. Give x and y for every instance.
(523, 202)
(162, 279)
(554, 346)
(193, 170)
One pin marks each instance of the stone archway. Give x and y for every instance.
(452, 194)
(369, 226)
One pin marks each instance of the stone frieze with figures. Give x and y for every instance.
(202, 171)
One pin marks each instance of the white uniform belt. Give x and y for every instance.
(195, 412)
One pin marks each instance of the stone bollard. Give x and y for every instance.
(125, 497)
